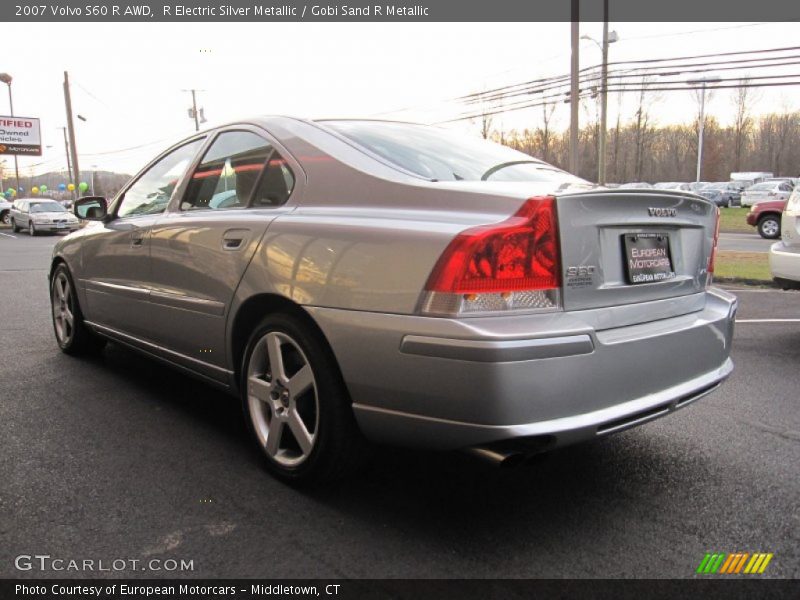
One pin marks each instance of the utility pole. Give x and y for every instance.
(702, 124)
(71, 126)
(574, 99)
(601, 151)
(7, 79)
(66, 151)
(69, 162)
(194, 113)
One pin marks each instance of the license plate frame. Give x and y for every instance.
(647, 257)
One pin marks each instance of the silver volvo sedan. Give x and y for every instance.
(356, 280)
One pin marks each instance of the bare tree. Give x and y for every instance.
(743, 122)
(544, 133)
(486, 125)
(642, 127)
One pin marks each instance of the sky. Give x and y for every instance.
(129, 80)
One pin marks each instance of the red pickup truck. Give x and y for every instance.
(766, 217)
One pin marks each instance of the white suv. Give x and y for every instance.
(784, 256)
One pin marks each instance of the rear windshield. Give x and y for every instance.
(763, 186)
(443, 155)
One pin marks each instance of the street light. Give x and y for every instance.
(7, 79)
(703, 81)
(608, 38)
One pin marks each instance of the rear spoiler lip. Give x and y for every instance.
(634, 192)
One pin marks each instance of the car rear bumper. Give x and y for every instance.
(784, 262)
(553, 378)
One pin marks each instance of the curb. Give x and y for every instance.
(764, 283)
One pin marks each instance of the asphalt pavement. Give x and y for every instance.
(120, 458)
(744, 242)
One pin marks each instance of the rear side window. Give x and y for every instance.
(228, 173)
(276, 185)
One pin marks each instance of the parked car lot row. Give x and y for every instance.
(725, 193)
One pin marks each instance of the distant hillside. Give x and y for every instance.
(106, 183)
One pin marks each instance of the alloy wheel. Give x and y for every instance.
(770, 228)
(283, 399)
(63, 309)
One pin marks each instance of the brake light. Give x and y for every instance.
(511, 265)
(712, 257)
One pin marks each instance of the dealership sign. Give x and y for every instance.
(20, 135)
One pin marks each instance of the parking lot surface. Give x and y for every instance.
(744, 242)
(118, 457)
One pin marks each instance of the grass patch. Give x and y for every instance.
(732, 220)
(742, 265)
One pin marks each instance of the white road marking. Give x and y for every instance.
(768, 320)
(13, 237)
(757, 291)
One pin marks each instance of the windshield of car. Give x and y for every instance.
(761, 187)
(444, 155)
(47, 207)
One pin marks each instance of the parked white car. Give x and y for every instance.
(41, 215)
(784, 256)
(768, 190)
(5, 211)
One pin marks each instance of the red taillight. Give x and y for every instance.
(519, 254)
(712, 257)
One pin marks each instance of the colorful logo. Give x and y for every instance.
(735, 563)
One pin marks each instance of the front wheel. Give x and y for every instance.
(14, 227)
(769, 227)
(31, 229)
(72, 335)
(5, 218)
(296, 403)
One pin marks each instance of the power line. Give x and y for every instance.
(625, 88)
(650, 61)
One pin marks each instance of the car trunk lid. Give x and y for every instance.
(631, 246)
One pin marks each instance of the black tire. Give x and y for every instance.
(31, 229)
(769, 227)
(5, 218)
(14, 227)
(338, 448)
(81, 341)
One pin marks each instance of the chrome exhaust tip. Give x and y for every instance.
(499, 458)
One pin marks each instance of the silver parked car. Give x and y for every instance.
(38, 216)
(401, 283)
(767, 190)
(673, 185)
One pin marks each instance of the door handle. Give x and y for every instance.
(235, 239)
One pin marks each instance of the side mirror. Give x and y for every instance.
(91, 208)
